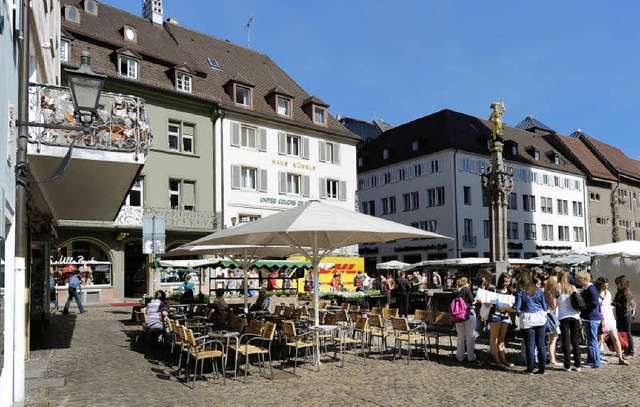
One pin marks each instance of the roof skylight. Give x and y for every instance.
(213, 63)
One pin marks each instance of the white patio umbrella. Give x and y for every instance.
(316, 229)
(392, 265)
(246, 255)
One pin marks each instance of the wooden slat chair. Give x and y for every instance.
(173, 338)
(403, 334)
(388, 313)
(376, 311)
(378, 330)
(345, 306)
(258, 345)
(181, 332)
(442, 325)
(201, 349)
(295, 340)
(330, 318)
(288, 312)
(279, 310)
(343, 318)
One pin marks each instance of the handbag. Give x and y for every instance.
(552, 323)
(533, 319)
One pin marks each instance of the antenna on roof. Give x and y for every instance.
(248, 28)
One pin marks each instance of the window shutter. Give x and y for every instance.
(336, 153)
(323, 188)
(235, 134)
(235, 177)
(263, 180)
(305, 148)
(305, 186)
(189, 194)
(342, 190)
(282, 143)
(322, 153)
(282, 185)
(262, 143)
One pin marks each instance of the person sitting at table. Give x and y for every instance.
(219, 304)
(156, 310)
(262, 303)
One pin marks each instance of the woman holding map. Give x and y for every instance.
(499, 321)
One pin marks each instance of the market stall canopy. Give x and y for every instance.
(565, 259)
(467, 262)
(232, 263)
(392, 265)
(627, 248)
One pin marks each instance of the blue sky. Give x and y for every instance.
(570, 64)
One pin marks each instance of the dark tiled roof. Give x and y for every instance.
(165, 47)
(578, 153)
(366, 130)
(448, 129)
(532, 124)
(613, 157)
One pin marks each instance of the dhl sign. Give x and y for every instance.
(348, 266)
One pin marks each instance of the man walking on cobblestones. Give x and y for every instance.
(74, 292)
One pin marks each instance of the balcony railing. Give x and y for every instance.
(121, 125)
(175, 219)
(469, 241)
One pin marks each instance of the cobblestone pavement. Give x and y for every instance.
(92, 353)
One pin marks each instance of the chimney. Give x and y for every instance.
(152, 10)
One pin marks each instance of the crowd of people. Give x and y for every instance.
(548, 306)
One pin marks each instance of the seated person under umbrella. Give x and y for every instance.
(262, 303)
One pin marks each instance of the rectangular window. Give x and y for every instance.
(563, 233)
(435, 165)
(486, 226)
(248, 178)
(512, 202)
(594, 196)
(128, 67)
(180, 136)
(64, 50)
(372, 208)
(135, 197)
(248, 137)
(243, 95)
(283, 106)
(467, 195)
(577, 208)
(529, 231)
(293, 145)
(332, 189)
(388, 205)
(245, 218)
(415, 145)
(431, 226)
(417, 170)
(319, 115)
(468, 237)
(547, 232)
(512, 230)
(293, 184)
(183, 82)
(528, 203)
(578, 234)
(174, 193)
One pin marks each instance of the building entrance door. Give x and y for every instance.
(135, 270)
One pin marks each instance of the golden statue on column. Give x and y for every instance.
(496, 120)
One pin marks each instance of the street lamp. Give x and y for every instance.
(85, 87)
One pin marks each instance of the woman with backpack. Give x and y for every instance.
(465, 329)
(569, 321)
(625, 309)
(531, 304)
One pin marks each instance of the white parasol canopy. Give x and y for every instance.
(315, 229)
(392, 265)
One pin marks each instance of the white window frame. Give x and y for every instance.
(246, 137)
(65, 48)
(319, 115)
(285, 109)
(332, 187)
(294, 184)
(180, 137)
(137, 187)
(239, 98)
(293, 145)
(132, 66)
(176, 193)
(248, 175)
(184, 82)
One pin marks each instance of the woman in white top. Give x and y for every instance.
(569, 322)
(609, 320)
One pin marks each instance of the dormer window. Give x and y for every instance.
(360, 161)
(556, 159)
(283, 106)
(183, 82)
(128, 67)
(71, 14)
(415, 145)
(536, 154)
(129, 33)
(319, 115)
(243, 95)
(385, 154)
(91, 7)
(514, 149)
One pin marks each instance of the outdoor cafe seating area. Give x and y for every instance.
(200, 343)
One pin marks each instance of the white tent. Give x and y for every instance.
(615, 259)
(391, 265)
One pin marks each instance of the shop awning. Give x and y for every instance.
(231, 263)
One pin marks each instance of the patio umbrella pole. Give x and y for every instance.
(315, 260)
